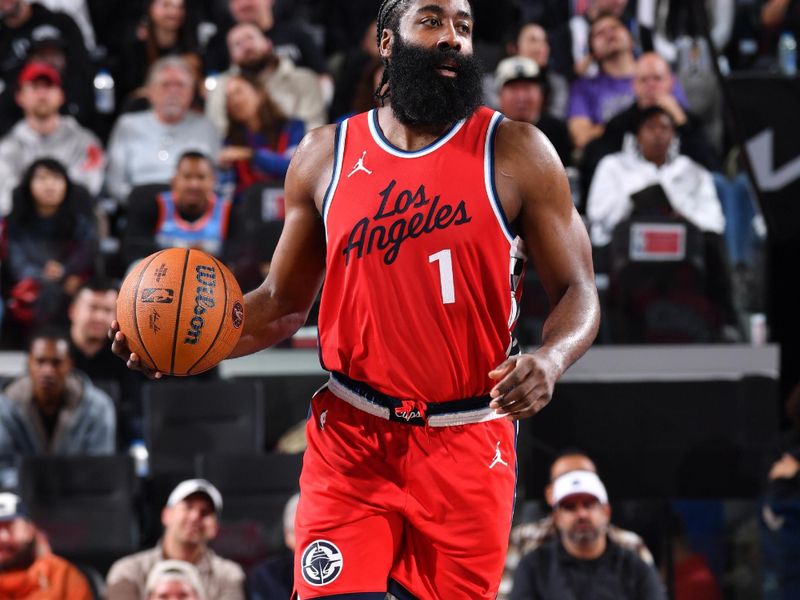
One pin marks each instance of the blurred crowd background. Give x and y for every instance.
(129, 126)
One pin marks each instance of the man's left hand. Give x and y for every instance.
(525, 385)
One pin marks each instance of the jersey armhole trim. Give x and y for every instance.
(338, 156)
(489, 176)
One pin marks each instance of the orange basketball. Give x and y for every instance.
(181, 311)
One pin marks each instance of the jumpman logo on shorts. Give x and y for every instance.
(498, 458)
(360, 166)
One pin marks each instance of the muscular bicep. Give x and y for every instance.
(554, 234)
(557, 241)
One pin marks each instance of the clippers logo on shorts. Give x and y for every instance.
(321, 563)
(157, 296)
(410, 411)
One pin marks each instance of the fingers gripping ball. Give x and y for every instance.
(181, 311)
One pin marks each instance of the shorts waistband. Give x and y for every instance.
(411, 412)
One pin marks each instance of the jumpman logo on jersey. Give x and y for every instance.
(360, 166)
(498, 458)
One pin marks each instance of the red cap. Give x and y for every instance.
(39, 70)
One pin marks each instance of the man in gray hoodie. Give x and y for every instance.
(54, 409)
(46, 132)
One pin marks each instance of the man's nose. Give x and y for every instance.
(449, 38)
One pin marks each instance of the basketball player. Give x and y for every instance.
(410, 214)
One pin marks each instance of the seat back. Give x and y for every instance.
(85, 504)
(658, 290)
(186, 418)
(261, 214)
(255, 489)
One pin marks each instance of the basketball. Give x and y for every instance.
(181, 311)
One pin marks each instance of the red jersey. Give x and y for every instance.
(419, 296)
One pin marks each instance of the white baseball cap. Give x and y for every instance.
(579, 482)
(515, 68)
(196, 486)
(11, 507)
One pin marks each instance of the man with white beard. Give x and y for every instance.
(145, 146)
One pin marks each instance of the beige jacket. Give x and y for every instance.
(222, 578)
(294, 90)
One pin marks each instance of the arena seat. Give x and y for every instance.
(261, 214)
(658, 286)
(185, 418)
(85, 504)
(254, 489)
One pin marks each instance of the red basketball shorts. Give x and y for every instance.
(421, 511)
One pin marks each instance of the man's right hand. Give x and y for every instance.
(670, 104)
(786, 467)
(119, 346)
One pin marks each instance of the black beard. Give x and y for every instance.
(419, 95)
(22, 560)
(254, 67)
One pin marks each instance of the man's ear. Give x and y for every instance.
(387, 40)
(548, 494)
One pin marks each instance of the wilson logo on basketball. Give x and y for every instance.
(157, 295)
(237, 315)
(207, 282)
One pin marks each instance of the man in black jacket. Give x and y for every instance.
(582, 562)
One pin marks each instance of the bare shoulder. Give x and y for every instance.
(316, 148)
(312, 164)
(528, 172)
(524, 145)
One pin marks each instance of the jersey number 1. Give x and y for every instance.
(445, 275)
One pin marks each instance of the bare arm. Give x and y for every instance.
(773, 13)
(280, 305)
(535, 193)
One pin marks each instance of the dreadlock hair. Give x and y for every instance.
(388, 18)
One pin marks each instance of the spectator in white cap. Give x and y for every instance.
(191, 521)
(529, 535)
(174, 580)
(582, 561)
(522, 93)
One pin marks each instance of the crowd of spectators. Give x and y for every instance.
(118, 99)
(172, 123)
